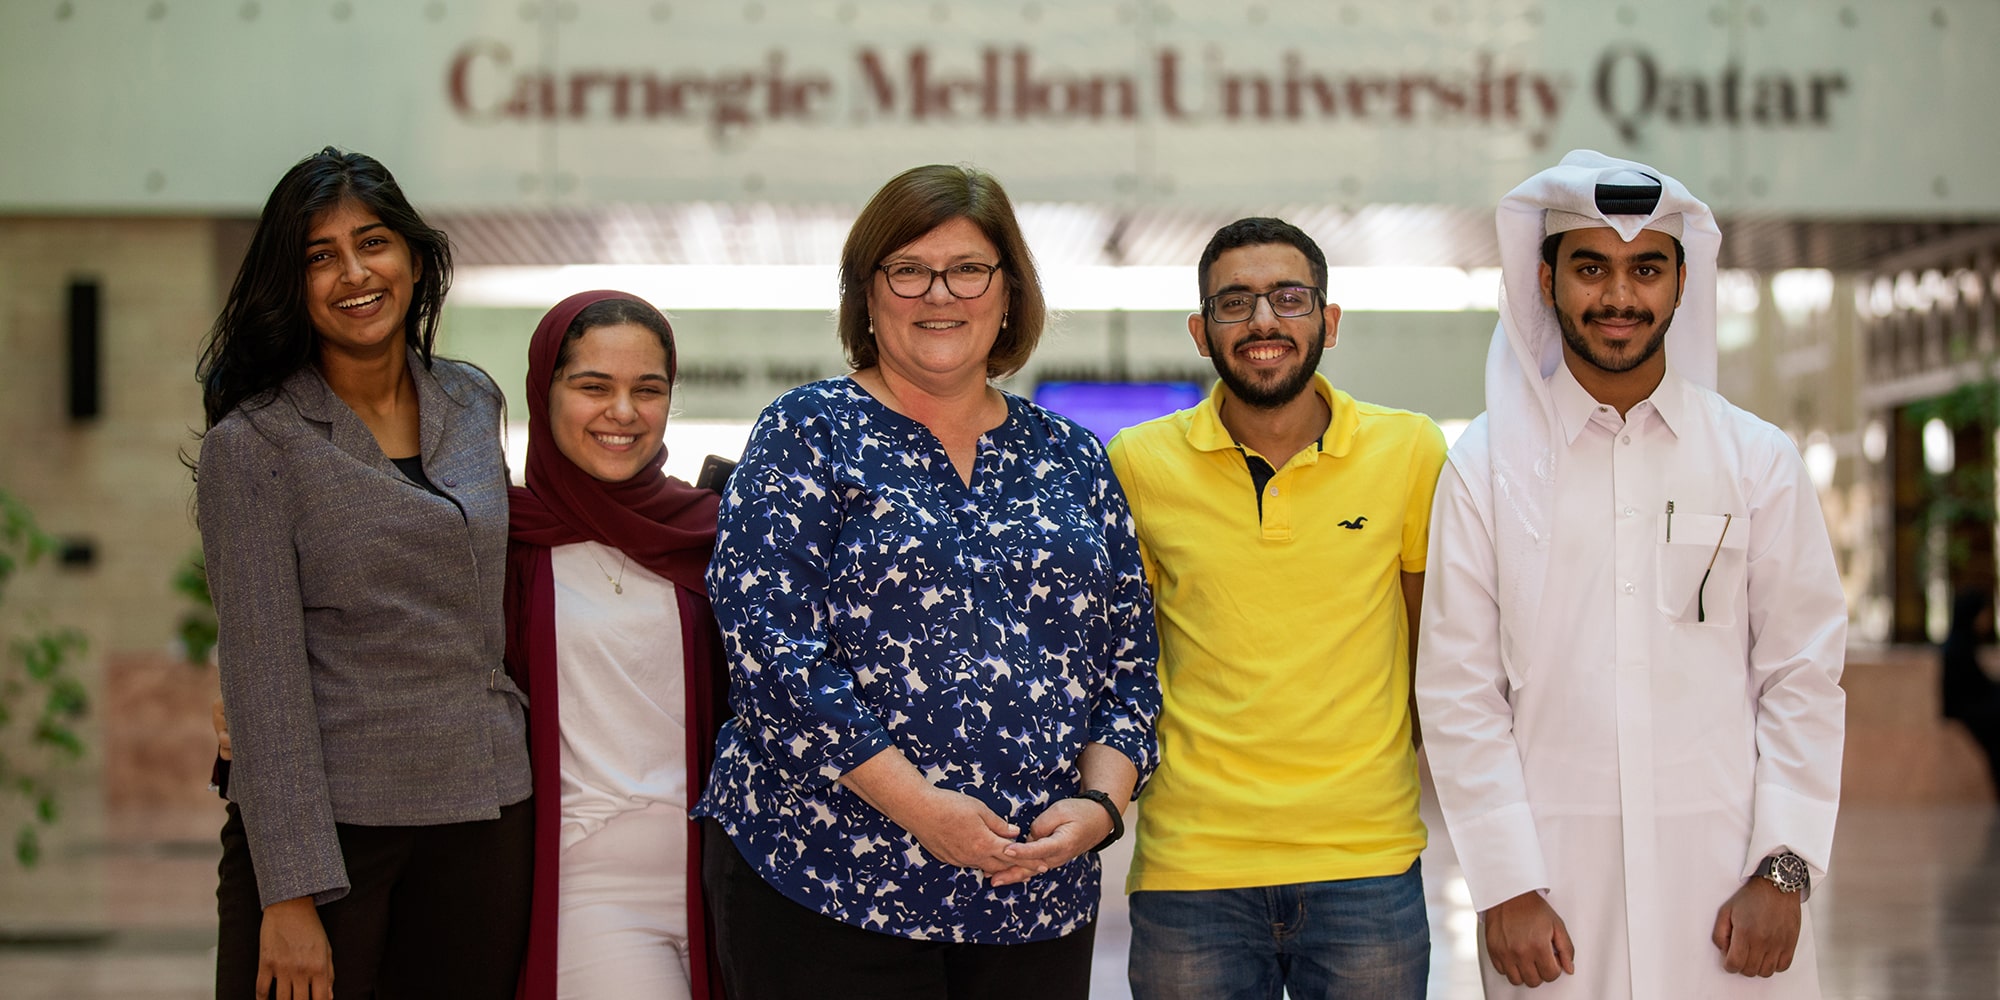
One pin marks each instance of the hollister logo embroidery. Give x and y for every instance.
(1356, 524)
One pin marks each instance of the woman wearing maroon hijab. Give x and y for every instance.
(609, 632)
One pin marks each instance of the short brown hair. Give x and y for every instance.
(915, 202)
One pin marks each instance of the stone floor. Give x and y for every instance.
(1913, 913)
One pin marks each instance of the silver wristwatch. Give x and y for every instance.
(1787, 871)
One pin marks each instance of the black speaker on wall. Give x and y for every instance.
(85, 381)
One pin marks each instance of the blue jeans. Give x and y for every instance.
(1363, 938)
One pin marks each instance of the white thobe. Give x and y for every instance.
(1670, 734)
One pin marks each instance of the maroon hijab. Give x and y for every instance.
(664, 524)
(669, 527)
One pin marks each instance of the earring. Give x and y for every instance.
(1003, 321)
(871, 326)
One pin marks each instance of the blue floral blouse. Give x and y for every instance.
(868, 598)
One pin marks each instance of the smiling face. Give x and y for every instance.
(938, 336)
(360, 280)
(1265, 361)
(1614, 302)
(608, 404)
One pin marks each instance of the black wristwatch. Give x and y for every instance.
(1117, 822)
(1787, 871)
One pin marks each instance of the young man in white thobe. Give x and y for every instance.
(1633, 628)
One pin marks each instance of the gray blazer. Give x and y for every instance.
(360, 618)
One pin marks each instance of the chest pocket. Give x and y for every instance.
(1701, 569)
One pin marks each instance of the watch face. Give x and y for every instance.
(1788, 872)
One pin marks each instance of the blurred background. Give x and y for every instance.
(710, 156)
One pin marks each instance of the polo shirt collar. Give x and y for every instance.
(1207, 433)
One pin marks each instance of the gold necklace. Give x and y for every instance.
(618, 585)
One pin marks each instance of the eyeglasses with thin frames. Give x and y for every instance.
(1287, 302)
(965, 280)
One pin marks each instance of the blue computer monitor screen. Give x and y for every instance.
(1106, 408)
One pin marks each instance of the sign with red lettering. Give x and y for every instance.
(1782, 106)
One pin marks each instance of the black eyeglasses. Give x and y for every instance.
(911, 280)
(1287, 302)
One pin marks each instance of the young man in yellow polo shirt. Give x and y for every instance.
(1284, 527)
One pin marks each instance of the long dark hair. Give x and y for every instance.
(264, 335)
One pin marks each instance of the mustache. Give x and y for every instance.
(1276, 338)
(1630, 313)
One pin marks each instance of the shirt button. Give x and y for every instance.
(1628, 512)
(1273, 491)
(1628, 588)
(1628, 439)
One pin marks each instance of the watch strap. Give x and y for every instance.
(1117, 821)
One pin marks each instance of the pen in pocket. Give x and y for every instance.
(1700, 612)
(1670, 520)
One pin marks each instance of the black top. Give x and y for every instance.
(1260, 477)
(413, 470)
(1261, 473)
(1965, 689)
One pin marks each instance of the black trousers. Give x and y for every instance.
(434, 911)
(774, 949)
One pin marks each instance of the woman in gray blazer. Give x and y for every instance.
(352, 499)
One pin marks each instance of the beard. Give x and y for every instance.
(1572, 334)
(1271, 395)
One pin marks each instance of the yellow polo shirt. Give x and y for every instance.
(1284, 647)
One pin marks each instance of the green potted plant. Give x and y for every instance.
(41, 701)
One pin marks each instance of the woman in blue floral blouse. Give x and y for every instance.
(940, 640)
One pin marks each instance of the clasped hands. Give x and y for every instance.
(960, 830)
(1756, 930)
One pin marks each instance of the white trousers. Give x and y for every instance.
(622, 927)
